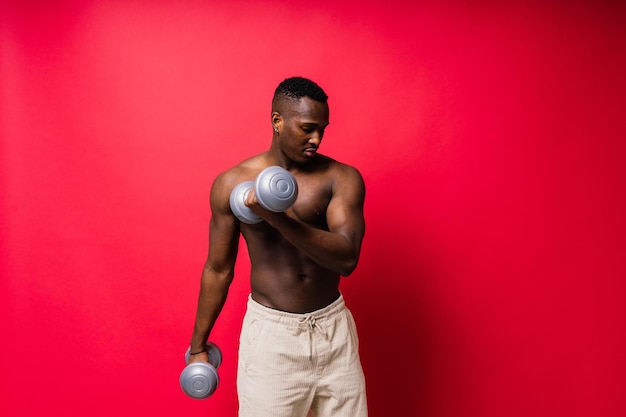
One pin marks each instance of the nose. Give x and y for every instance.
(316, 138)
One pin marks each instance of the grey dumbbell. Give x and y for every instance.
(199, 380)
(274, 187)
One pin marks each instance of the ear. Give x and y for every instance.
(277, 120)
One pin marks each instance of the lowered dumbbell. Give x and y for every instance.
(199, 380)
(274, 187)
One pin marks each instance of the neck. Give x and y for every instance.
(274, 156)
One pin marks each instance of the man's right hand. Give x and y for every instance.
(199, 357)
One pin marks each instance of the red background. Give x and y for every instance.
(491, 138)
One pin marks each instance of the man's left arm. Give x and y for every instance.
(337, 249)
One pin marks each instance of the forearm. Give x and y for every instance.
(332, 250)
(213, 293)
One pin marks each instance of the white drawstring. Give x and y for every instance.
(312, 324)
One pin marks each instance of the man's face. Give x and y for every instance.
(304, 122)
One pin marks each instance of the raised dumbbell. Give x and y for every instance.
(274, 187)
(199, 380)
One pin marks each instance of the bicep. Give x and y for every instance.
(345, 210)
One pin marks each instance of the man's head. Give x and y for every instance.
(294, 88)
(299, 117)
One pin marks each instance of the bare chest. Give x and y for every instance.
(312, 203)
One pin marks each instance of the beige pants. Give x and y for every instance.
(292, 363)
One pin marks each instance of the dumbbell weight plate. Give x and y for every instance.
(215, 354)
(237, 205)
(199, 380)
(276, 188)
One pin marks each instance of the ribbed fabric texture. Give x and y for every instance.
(292, 363)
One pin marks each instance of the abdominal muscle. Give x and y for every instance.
(284, 278)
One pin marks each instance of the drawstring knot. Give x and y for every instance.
(312, 324)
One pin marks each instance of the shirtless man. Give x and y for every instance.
(298, 344)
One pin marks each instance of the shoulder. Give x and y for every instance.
(335, 167)
(344, 179)
(226, 180)
(244, 171)
(343, 172)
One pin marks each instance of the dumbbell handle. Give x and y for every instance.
(213, 351)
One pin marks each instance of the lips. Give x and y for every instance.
(310, 152)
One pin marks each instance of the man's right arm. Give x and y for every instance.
(218, 271)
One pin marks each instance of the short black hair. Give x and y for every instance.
(298, 87)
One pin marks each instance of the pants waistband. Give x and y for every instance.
(297, 319)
